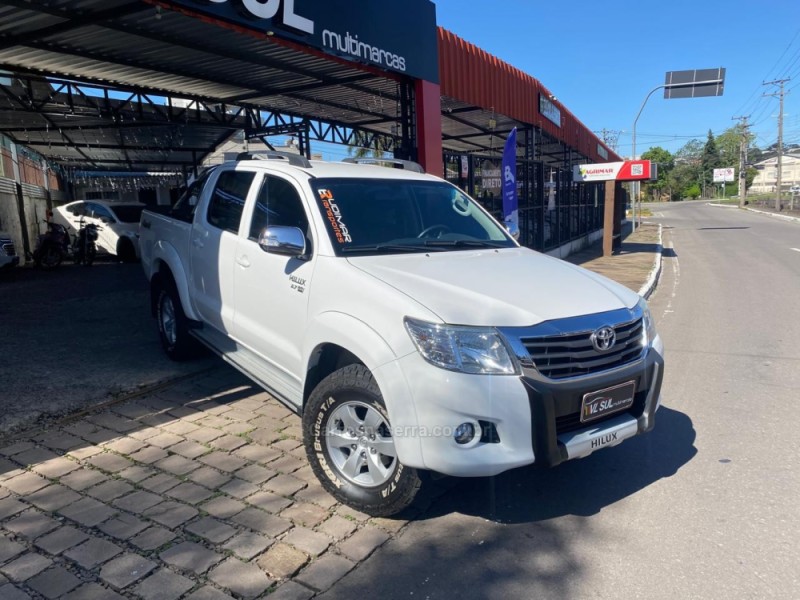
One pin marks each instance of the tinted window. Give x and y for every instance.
(187, 202)
(227, 202)
(278, 203)
(77, 209)
(97, 211)
(366, 215)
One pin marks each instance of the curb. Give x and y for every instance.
(651, 282)
(773, 215)
(759, 212)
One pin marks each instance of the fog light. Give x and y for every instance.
(464, 433)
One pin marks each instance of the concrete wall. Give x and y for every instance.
(35, 209)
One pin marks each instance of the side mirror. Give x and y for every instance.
(288, 241)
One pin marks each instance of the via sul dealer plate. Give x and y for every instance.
(606, 401)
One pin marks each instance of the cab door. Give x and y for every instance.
(272, 290)
(213, 241)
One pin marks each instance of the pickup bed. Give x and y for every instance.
(405, 325)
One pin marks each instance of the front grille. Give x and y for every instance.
(8, 247)
(572, 355)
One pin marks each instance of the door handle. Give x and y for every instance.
(197, 242)
(146, 224)
(243, 261)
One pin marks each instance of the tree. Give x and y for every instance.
(709, 161)
(665, 162)
(691, 151)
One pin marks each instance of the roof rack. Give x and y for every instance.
(296, 160)
(397, 163)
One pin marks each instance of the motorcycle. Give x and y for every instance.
(52, 246)
(84, 248)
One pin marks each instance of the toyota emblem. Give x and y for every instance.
(603, 339)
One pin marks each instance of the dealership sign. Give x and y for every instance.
(549, 110)
(723, 175)
(628, 170)
(363, 31)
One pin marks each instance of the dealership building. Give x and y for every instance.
(152, 87)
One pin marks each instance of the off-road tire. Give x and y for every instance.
(354, 386)
(173, 327)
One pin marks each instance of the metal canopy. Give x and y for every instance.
(157, 54)
(467, 128)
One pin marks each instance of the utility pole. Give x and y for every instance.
(780, 96)
(743, 159)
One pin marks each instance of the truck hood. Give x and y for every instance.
(512, 287)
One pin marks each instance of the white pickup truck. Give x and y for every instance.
(401, 321)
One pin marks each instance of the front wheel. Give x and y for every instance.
(49, 257)
(349, 443)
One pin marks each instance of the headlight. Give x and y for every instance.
(649, 333)
(478, 350)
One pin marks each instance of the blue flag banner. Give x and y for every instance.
(510, 203)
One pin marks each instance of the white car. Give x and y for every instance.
(404, 324)
(118, 224)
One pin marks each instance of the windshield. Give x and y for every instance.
(371, 216)
(128, 213)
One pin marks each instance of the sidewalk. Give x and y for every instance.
(636, 265)
(199, 490)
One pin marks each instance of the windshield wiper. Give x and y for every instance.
(388, 248)
(465, 243)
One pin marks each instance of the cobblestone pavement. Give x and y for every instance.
(198, 491)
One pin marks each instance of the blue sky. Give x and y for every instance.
(601, 58)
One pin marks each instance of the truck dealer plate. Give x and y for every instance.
(609, 400)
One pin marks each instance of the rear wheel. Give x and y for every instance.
(172, 324)
(349, 443)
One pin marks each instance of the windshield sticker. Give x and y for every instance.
(334, 215)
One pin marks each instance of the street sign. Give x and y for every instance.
(724, 175)
(697, 83)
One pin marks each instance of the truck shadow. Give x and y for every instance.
(581, 487)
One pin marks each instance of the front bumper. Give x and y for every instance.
(536, 420)
(557, 433)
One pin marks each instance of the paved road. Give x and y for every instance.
(703, 507)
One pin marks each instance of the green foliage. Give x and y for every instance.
(693, 191)
(690, 171)
(359, 152)
(665, 162)
(709, 160)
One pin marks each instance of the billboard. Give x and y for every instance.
(724, 175)
(399, 38)
(627, 170)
